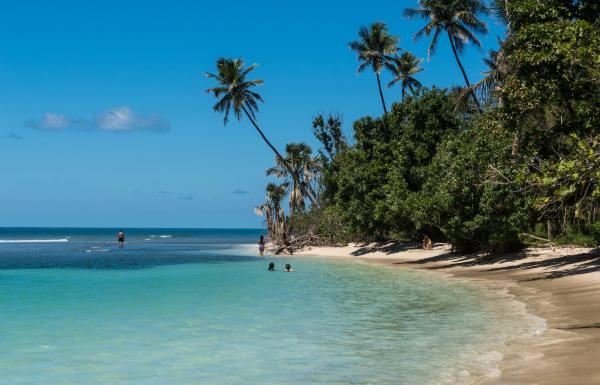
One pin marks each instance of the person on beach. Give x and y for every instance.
(121, 238)
(427, 242)
(261, 246)
(288, 268)
(271, 267)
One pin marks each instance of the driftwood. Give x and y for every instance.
(539, 239)
(298, 243)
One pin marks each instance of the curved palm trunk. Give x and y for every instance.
(281, 159)
(462, 69)
(403, 90)
(311, 191)
(381, 93)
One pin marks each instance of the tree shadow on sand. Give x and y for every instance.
(563, 266)
(455, 259)
(575, 264)
(387, 248)
(579, 327)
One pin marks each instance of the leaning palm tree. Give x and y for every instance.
(374, 49)
(458, 19)
(235, 93)
(304, 170)
(404, 67)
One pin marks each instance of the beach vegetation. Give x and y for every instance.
(510, 160)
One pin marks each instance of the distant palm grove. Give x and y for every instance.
(493, 165)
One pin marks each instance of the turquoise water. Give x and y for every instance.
(200, 308)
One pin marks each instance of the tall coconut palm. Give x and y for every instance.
(374, 49)
(304, 169)
(404, 67)
(459, 19)
(235, 93)
(272, 210)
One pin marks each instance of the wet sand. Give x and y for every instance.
(561, 285)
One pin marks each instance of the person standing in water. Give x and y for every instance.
(261, 245)
(121, 238)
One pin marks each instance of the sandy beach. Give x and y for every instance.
(561, 285)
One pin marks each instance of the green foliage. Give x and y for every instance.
(469, 194)
(552, 96)
(594, 230)
(326, 223)
(374, 180)
(328, 132)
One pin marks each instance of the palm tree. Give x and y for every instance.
(235, 93)
(304, 169)
(272, 210)
(496, 74)
(374, 49)
(458, 19)
(494, 77)
(404, 67)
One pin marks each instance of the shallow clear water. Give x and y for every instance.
(199, 308)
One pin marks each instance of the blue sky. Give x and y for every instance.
(104, 120)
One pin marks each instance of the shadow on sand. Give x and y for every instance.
(387, 248)
(561, 266)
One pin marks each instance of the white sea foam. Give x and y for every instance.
(61, 240)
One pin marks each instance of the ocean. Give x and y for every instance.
(198, 306)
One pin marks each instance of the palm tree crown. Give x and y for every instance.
(493, 78)
(459, 19)
(304, 168)
(234, 90)
(496, 73)
(272, 210)
(374, 48)
(404, 67)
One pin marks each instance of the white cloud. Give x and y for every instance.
(118, 119)
(124, 119)
(51, 122)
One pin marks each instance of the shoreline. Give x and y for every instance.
(561, 286)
